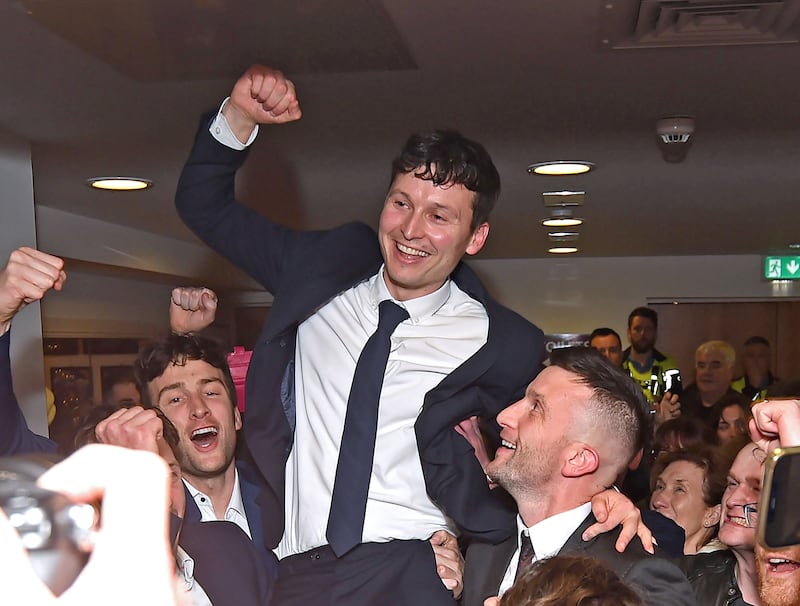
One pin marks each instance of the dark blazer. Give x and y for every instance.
(227, 564)
(659, 581)
(15, 436)
(252, 489)
(303, 271)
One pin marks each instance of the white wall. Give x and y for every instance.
(576, 295)
(17, 228)
(559, 295)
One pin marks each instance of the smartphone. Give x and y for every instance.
(672, 382)
(779, 505)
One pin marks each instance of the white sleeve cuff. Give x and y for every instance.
(221, 131)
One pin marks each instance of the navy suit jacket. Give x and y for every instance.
(15, 436)
(226, 563)
(657, 580)
(304, 270)
(252, 490)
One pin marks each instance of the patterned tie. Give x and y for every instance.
(526, 554)
(354, 468)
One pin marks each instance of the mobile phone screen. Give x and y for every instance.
(779, 525)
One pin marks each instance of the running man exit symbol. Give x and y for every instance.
(782, 268)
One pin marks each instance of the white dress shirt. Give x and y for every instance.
(233, 513)
(547, 538)
(444, 329)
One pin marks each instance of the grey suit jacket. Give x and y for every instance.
(658, 581)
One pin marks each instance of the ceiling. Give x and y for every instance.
(103, 88)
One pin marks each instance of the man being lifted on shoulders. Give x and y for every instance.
(361, 458)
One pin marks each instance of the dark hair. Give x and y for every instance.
(445, 157)
(728, 400)
(85, 427)
(605, 332)
(175, 349)
(756, 340)
(708, 459)
(643, 312)
(570, 580)
(616, 400)
(687, 431)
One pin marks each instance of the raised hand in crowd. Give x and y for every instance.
(262, 95)
(192, 309)
(776, 423)
(28, 275)
(668, 408)
(136, 427)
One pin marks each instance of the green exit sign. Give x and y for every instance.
(782, 268)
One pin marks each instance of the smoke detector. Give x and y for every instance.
(675, 129)
(675, 136)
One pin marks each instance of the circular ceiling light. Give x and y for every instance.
(562, 250)
(119, 183)
(562, 222)
(561, 167)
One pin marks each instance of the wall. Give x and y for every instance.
(579, 294)
(97, 305)
(574, 295)
(17, 228)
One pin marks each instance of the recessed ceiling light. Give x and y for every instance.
(563, 236)
(562, 250)
(119, 183)
(561, 167)
(562, 222)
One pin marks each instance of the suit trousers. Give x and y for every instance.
(396, 573)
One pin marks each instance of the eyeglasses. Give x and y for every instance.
(750, 514)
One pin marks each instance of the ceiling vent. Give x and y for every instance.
(629, 24)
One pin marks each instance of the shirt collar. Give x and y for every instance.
(550, 535)
(235, 503)
(419, 308)
(236, 498)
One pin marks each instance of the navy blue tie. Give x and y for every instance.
(354, 468)
(526, 554)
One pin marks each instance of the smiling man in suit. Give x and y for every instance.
(457, 353)
(579, 424)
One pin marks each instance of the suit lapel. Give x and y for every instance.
(485, 568)
(575, 543)
(251, 493)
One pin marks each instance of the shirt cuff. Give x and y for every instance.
(221, 131)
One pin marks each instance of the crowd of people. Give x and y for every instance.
(406, 440)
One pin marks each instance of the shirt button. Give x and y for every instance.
(202, 499)
(217, 130)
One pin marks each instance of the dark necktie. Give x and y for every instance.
(526, 554)
(354, 468)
